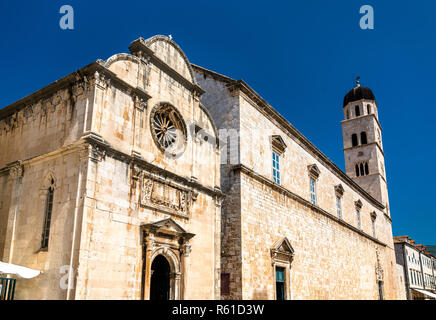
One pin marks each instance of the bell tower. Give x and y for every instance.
(363, 147)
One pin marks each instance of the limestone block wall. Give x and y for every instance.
(27, 205)
(231, 236)
(266, 216)
(127, 126)
(368, 124)
(330, 262)
(110, 265)
(5, 198)
(402, 294)
(43, 125)
(256, 150)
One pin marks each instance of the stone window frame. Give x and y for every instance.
(362, 168)
(179, 122)
(373, 219)
(339, 193)
(49, 183)
(282, 258)
(278, 148)
(358, 205)
(314, 173)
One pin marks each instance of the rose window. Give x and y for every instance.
(168, 128)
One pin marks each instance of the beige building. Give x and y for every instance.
(144, 176)
(102, 172)
(295, 226)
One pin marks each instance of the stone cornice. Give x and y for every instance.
(95, 140)
(362, 117)
(213, 74)
(81, 75)
(364, 145)
(303, 201)
(43, 157)
(139, 46)
(103, 147)
(270, 113)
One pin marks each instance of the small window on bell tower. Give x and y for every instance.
(363, 139)
(354, 141)
(357, 111)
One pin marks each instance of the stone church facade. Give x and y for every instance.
(147, 177)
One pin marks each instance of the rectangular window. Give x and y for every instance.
(338, 206)
(276, 167)
(280, 283)
(312, 191)
(380, 290)
(358, 219)
(225, 283)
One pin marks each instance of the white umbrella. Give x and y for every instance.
(22, 272)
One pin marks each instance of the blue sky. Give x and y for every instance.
(301, 56)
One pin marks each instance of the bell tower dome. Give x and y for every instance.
(363, 147)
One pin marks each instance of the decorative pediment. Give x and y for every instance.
(282, 251)
(167, 227)
(339, 189)
(278, 144)
(313, 171)
(358, 204)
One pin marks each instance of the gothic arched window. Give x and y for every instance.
(357, 170)
(47, 218)
(354, 140)
(366, 168)
(363, 139)
(369, 108)
(362, 172)
(357, 109)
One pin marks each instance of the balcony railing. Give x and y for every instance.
(7, 288)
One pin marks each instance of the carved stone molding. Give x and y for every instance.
(16, 170)
(282, 251)
(278, 144)
(378, 267)
(313, 171)
(358, 204)
(157, 193)
(100, 80)
(185, 249)
(339, 190)
(97, 153)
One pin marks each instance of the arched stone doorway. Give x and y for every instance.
(160, 279)
(165, 260)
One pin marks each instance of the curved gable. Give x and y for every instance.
(169, 52)
(125, 66)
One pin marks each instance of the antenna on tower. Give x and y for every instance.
(357, 81)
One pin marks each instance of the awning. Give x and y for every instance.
(22, 272)
(427, 293)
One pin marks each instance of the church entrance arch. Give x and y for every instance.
(160, 279)
(165, 260)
